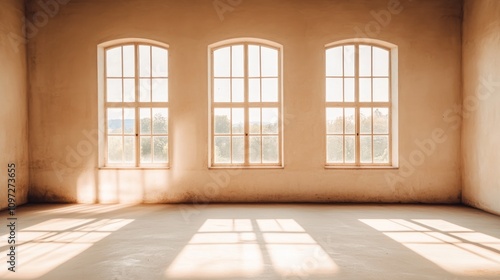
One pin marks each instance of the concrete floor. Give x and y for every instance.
(254, 242)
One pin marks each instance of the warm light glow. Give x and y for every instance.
(454, 248)
(288, 225)
(86, 208)
(226, 225)
(217, 261)
(290, 238)
(58, 224)
(297, 260)
(49, 244)
(214, 238)
(228, 248)
(441, 225)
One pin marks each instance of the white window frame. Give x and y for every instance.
(246, 104)
(392, 105)
(103, 105)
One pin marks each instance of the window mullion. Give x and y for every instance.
(390, 109)
(246, 107)
(212, 109)
(106, 148)
(357, 107)
(136, 105)
(232, 104)
(122, 78)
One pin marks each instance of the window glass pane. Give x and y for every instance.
(129, 149)
(270, 149)
(238, 90)
(350, 149)
(365, 89)
(129, 90)
(238, 149)
(238, 61)
(222, 91)
(270, 90)
(334, 62)
(238, 121)
(381, 120)
(335, 149)
(349, 90)
(115, 149)
(349, 61)
(381, 149)
(129, 120)
(145, 90)
(160, 62)
(254, 90)
(380, 90)
(145, 120)
(222, 62)
(222, 153)
(114, 62)
(115, 121)
(366, 149)
(334, 120)
(380, 62)
(270, 120)
(160, 144)
(129, 61)
(253, 61)
(350, 121)
(160, 90)
(365, 60)
(222, 120)
(146, 149)
(334, 89)
(365, 116)
(269, 62)
(114, 90)
(145, 61)
(160, 120)
(254, 120)
(255, 149)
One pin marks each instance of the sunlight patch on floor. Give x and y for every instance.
(43, 247)
(228, 248)
(456, 249)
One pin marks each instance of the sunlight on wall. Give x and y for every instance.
(47, 245)
(225, 248)
(85, 187)
(456, 249)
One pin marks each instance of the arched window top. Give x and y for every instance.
(245, 40)
(362, 41)
(129, 41)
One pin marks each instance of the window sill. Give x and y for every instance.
(245, 167)
(133, 168)
(375, 167)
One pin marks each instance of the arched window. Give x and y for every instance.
(134, 111)
(361, 104)
(245, 104)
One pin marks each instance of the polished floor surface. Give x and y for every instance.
(246, 241)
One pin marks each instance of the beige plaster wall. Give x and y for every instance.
(481, 133)
(13, 101)
(63, 119)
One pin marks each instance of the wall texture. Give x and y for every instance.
(14, 102)
(481, 136)
(63, 103)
